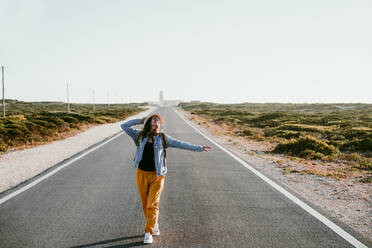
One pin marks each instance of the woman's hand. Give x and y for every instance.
(205, 148)
(143, 120)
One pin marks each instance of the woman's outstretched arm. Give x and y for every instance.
(172, 142)
(132, 132)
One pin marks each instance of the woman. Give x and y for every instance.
(151, 168)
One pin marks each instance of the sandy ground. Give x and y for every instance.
(20, 165)
(346, 199)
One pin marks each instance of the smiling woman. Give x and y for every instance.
(151, 127)
(151, 167)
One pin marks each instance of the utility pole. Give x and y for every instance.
(68, 101)
(108, 102)
(94, 106)
(2, 70)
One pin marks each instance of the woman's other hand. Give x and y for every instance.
(205, 148)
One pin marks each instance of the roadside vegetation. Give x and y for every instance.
(327, 132)
(33, 123)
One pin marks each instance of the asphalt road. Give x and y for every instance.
(209, 200)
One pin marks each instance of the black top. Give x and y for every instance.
(147, 162)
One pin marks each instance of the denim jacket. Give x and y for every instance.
(160, 166)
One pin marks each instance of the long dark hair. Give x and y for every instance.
(146, 130)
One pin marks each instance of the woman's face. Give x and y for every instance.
(155, 124)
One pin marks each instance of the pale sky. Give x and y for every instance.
(221, 51)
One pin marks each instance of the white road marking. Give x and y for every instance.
(293, 198)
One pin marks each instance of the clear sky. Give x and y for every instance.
(222, 51)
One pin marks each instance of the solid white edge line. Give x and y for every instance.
(349, 238)
(33, 183)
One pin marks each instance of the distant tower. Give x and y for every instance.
(161, 98)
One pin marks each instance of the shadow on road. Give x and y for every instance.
(138, 243)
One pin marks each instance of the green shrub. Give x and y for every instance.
(354, 133)
(365, 164)
(69, 119)
(219, 119)
(52, 119)
(13, 132)
(3, 147)
(287, 134)
(45, 124)
(74, 126)
(247, 132)
(306, 147)
(268, 120)
(363, 144)
(354, 157)
(301, 128)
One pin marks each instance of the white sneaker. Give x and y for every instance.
(156, 229)
(148, 238)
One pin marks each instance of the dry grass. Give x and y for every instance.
(341, 167)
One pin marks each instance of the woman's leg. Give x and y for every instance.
(153, 200)
(142, 180)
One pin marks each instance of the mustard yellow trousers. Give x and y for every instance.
(149, 188)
